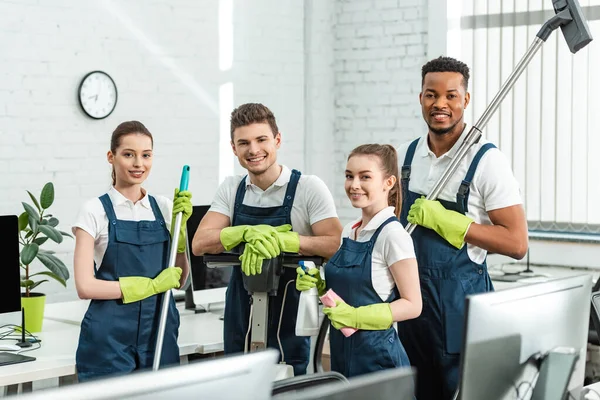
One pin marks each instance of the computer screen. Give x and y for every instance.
(244, 377)
(397, 384)
(202, 276)
(10, 284)
(506, 333)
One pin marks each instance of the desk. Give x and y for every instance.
(198, 333)
(553, 272)
(54, 359)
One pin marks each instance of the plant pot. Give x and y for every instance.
(34, 311)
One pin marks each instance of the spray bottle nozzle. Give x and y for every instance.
(306, 265)
(301, 264)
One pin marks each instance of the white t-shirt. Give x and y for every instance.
(393, 244)
(92, 217)
(313, 201)
(493, 186)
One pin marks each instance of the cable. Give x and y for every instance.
(249, 327)
(6, 335)
(530, 387)
(280, 318)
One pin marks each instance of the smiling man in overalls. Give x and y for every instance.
(479, 211)
(258, 209)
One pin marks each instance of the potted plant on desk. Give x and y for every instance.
(35, 228)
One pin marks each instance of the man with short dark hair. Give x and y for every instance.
(480, 206)
(259, 209)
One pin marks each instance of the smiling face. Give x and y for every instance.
(256, 147)
(443, 101)
(132, 160)
(366, 185)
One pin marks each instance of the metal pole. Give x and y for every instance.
(475, 132)
(164, 311)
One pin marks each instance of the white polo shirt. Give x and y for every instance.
(92, 217)
(493, 186)
(393, 244)
(313, 201)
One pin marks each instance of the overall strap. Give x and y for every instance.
(462, 196)
(108, 208)
(156, 210)
(290, 192)
(241, 192)
(378, 231)
(410, 153)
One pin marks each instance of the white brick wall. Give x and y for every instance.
(336, 74)
(380, 46)
(164, 57)
(320, 113)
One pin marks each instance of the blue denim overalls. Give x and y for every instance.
(348, 273)
(237, 301)
(117, 337)
(433, 341)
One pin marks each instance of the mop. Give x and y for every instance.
(183, 185)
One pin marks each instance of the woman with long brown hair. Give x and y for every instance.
(374, 272)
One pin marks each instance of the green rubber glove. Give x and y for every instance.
(450, 225)
(289, 242)
(182, 203)
(136, 288)
(374, 317)
(252, 260)
(232, 236)
(262, 237)
(309, 280)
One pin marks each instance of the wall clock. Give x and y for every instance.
(97, 94)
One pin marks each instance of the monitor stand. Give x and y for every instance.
(190, 304)
(23, 343)
(517, 276)
(555, 374)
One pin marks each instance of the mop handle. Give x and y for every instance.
(164, 311)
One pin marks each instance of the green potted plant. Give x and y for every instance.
(36, 227)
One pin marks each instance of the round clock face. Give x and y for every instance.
(97, 94)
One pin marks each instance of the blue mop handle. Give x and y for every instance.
(183, 185)
(185, 178)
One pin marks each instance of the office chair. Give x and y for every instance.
(307, 381)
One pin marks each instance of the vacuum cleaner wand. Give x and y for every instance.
(570, 19)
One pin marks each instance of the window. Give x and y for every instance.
(547, 124)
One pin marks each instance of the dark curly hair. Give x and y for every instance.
(252, 113)
(446, 64)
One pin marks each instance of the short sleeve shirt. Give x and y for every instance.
(494, 185)
(313, 201)
(92, 217)
(393, 244)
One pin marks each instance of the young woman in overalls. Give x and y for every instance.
(374, 272)
(122, 243)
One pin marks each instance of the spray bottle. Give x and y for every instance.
(307, 322)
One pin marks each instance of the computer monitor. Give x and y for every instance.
(211, 281)
(397, 384)
(508, 332)
(202, 276)
(10, 284)
(244, 377)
